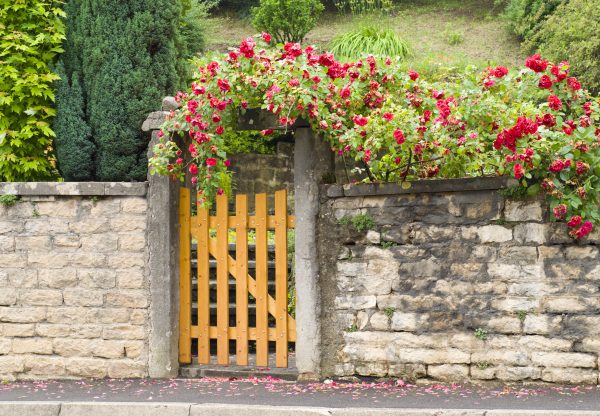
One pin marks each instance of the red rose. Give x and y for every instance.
(413, 75)
(247, 47)
(345, 92)
(518, 170)
(227, 163)
(399, 136)
(581, 167)
(211, 161)
(292, 50)
(388, 116)
(216, 118)
(585, 229)
(266, 37)
(360, 120)
(193, 169)
(266, 132)
(554, 102)
(219, 130)
(574, 84)
(547, 120)
(326, 59)
(294, 82)
(323, 124)
(575, 221)
(500, 71)
(536, 63)
(545, 82)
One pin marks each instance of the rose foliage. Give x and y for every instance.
(536, 124)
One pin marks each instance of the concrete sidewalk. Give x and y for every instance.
(274, 397)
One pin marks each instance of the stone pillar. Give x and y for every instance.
(163, 264)
(313, 162)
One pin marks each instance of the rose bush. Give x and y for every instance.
(536, 124)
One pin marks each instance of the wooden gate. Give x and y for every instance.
(212, 234)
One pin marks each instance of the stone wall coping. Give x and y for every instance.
(421, 186)
(75, 188)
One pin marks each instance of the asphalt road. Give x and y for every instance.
(276, 392)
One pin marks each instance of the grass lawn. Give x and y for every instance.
(427, 25)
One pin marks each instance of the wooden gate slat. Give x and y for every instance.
(241, 290)
(185, 281)
(262, 270)
(203, 286)
(222, 281)
(281, 278)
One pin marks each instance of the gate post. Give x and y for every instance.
(313, 161)
(162, 246)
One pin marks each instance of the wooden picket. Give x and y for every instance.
(217, 247)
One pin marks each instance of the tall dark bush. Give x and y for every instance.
(126, 55)
(524, 17)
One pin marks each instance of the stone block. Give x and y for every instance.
(494, 234)
(86, 331)
(520, 211)
(531, 233)
(466, 342)
(126, 369)
(8, 297)
(128, 298)
(97, 278)
(467, 271)
(355, 302)
(131, 278)
(579, 253)
(132, 242)
(423, 268)
(126, 261)
(518, 255)
(70, 241)
(407, 371)
(507, 357)
(44, 366)
(122, 223)
(18, 330)
(12, 260)
(139, 317)
(33, 243)
(87, 367)
(109, 315)
(482, 372)
(83, 297)
(48, 260)
(539, 343)
(134, 205)
(22, 314)
(515, 272)
(22, 277)
(124, 332)
(40, 297)
(590, 344)
(32, 346)
(5, 347)
(404, 321)
(564, 359)
(515, 304)
(89, 225)
(46, 226)
(101, 242)
(105, 207)
(12, 364)
(57, 278)
(430, 356)
(134, 349)
(505, 325)
(67, 207)
(372, 369)
(570, 375)
(448, 372)
(52, 330)
(69, 347)
(564, 304)
(507, 373)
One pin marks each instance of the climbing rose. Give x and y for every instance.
(554, 102)
(574, 84)
(193, 169)
(545, 82)
(266, 132)
(360, 120)
(413, 75)
(518, 170)
(581, 167)
(266, 37)
(559, 165)
(399, 136)
(585, 229)
(574, 221)
(500, 71)
(326, 59)
(560, 211)
(388, 116)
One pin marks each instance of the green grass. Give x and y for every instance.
(423, 24)
(369, 39)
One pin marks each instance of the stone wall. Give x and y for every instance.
(454, 282)
(74, 290)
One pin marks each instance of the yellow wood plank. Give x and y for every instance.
(281, 278)
(262, 278)
(222, 281)
(241, 290)
(232, 265)
(185, 281)
(291, 220)
(203, 287)
(232, 333)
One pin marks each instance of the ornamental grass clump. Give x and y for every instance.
(370, 40)
(536, 124)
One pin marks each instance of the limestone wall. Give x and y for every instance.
(454, 282)
(74, 292)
